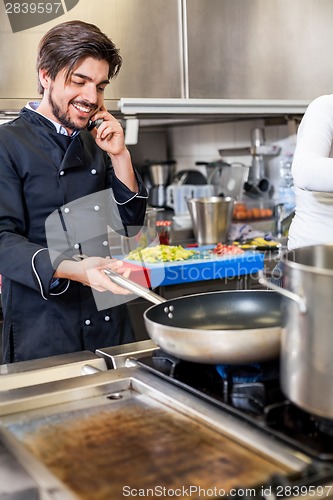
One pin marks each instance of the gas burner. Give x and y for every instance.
(246, 386)
(324, 425)
(165, 362)
(313, 434)
(253, 372)
(251, 393)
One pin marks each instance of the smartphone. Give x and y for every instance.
(94, 124)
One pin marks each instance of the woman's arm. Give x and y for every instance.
(312, 165)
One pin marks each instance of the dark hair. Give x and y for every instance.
(64, 45)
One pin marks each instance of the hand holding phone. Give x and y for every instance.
(94, 124)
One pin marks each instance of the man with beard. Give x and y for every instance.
(48, 160)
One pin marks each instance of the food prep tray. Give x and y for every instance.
(203, 266)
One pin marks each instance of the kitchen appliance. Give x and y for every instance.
(211, 217)
(257, 183)
(257, 175)
(228, 179)
(307, 343)
(151, 419)
(250, 403)
(159, 174)
(189, 92)
(189, 176)
(252, 393)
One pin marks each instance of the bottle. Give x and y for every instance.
(286, 184)
(164, 228)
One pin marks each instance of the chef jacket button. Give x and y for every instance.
(87, 322)
(105, 243)
(76, 246)
(61, 172)
(93, 171)
(66, 210)
(96, 208)
(107, 318)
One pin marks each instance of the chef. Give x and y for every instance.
(50, 163)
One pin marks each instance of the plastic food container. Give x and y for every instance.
(177, 195)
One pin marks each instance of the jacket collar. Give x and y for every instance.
(38, 119)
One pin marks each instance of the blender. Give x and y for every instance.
(159, 176)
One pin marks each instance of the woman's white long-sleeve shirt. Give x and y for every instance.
(312, 171)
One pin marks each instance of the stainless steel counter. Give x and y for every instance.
(44, 370)
(15, 482)
(117, 412)
(28, 418)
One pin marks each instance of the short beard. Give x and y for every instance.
(63, 118)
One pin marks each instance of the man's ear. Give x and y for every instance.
(44, 78)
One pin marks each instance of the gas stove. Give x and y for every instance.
(251, 393)
(252, 397)
(146, 424)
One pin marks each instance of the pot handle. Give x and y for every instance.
(133, 287)
(286, 293)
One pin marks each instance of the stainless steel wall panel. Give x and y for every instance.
(260, 49)
(146, 31)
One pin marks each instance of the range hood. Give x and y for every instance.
(152, 112)
(196, 61)
(143, 107)
(207, 107)
(182, 111)
(172, 112)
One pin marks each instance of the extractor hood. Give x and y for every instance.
(153, 112)
(156, 112)
(206, 107)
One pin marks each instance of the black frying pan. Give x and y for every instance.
(239, 326)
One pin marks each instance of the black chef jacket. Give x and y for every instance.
(40, 172)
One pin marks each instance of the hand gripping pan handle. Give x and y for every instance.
(133, 287)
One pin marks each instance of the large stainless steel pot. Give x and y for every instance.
(307, 333)
(241, 326)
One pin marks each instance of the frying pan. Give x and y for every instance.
(233, 327)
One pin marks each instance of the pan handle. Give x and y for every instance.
(286, 293)
(133, 287)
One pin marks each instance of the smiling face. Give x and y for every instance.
(72, 103)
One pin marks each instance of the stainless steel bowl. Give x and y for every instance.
(211, 218)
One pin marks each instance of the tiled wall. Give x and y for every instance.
(202, 142)
(190, 144)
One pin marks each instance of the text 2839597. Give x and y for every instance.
(32, 7)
